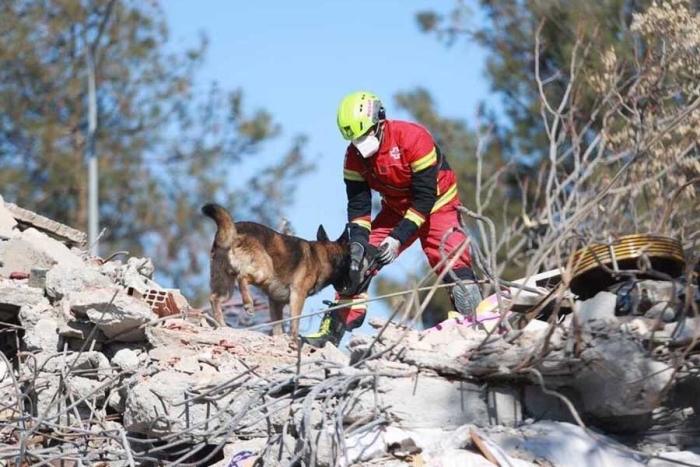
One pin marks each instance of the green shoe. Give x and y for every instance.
(332, 330)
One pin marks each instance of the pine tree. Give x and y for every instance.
(164, 147)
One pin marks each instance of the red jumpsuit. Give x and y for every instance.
(419, 197)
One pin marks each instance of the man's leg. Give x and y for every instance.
(464, 294)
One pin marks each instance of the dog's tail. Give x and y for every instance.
(226, 229)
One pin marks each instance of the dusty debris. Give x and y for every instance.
(98, 351)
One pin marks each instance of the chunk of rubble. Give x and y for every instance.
(62, 279)
(119, 316)
(33, 249)
(60, 232)
(8, 223)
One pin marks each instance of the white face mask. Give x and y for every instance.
(368, 145)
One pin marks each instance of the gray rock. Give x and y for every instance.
(76, 332)
(30, 314)
(618, 378)
(18, 255)
(49, 394)
(91, 390)
(167, 403)
(663, 311)
(7, 222)
(143, 266)
(433, 402)
(43, 336)
(37, 278)
(117, 316)
(137, 274)
(600, 308)
(14, 297)
(117, 400)
(61, 280)
(33, 249)
(92, 365)
(126, 360)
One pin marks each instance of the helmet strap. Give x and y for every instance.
(379, 132)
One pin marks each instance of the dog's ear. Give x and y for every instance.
(321, 234)
(344, 237)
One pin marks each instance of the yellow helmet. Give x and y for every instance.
(357, 113)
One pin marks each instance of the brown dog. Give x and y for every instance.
(287, 269)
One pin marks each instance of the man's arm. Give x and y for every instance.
(359, 206)
(424, 172)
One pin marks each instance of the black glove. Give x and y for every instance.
(360, 258)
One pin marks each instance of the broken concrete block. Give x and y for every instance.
(57, 230)
(141, 266)
(115, 313)
(663, 311)
(504, 406)
(433, 402)
(127, 360)
(91, 390)
(61, 280)
(12, 298)
(30, 314)
(150, 408)
(563, 444)
(637, 387)
(57, 251)
(20, 256)
(137, 274)
(117, 399)
(91, 364)
(37, 278)
(7, 222)
(50, 390)
(681, 333)
(43, 336)
(75, 333)
(600, 308)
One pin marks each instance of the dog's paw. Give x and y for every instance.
(249, 308)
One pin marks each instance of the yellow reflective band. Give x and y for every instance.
(363, 223)
(414, 217)
(445, 198)
(352, 175)
(358, 302)
(424, 162)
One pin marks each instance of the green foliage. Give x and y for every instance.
(164, 146)
(509, 36)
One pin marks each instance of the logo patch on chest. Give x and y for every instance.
(395, 153)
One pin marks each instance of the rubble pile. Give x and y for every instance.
(99, 365)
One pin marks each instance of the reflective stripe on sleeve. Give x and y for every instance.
(424, 162)
(445, 198)
(414, 217)
(363, 222)
(352, 175)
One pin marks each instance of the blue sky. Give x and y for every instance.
(298, 59)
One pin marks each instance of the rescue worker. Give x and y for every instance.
(400, 161)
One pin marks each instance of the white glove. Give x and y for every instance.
(388, 250)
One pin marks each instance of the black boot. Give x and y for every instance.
(332, 329)
(465, 298)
